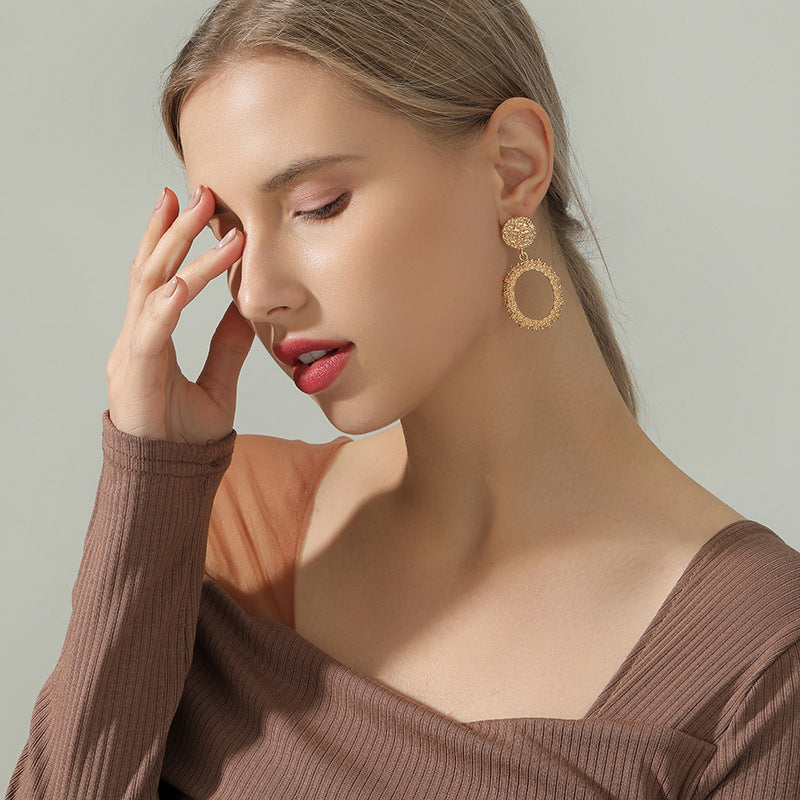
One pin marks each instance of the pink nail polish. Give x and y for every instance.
(161, 198)
(227, 238)
(195, 199)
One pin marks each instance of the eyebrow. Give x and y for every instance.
(297, 169)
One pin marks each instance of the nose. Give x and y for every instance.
(262, 282)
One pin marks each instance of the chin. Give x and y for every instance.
(353, 418)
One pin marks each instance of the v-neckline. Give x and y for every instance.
(683, 584)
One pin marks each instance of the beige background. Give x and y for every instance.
(685, 117)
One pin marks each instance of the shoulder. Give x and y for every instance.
(271, 474)
(361, 469)
(734, 614)
(257, 516)
(751, 563)
(741, 601)
(275, 464)
(751, 710)
(755, 562)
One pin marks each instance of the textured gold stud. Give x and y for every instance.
(519, 232)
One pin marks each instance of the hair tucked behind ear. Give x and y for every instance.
(444, 64)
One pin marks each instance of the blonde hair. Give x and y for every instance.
(443, 64)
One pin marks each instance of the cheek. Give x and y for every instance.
(407, 239)
(264, 335)
(439, 263)
(426, 290)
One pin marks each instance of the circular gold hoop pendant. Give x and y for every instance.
(509, 282)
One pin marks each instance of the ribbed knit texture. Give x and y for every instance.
(168, 687)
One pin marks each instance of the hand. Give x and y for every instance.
(148, 394)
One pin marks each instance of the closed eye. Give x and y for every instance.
(330, 210)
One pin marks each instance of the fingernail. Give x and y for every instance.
(228, 238)
(161, 198)
(195, 198)
(170, 288)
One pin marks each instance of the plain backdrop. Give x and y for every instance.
(684, 116)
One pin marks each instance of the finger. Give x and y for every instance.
(174, 245)
(169, 252)
(227, 352)
(211, 264)
(159, 316)
(163, 216)
(145, 370)
(157, 322)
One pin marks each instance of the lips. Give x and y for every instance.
(288, 350)
(311, 378)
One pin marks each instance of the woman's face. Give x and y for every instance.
(391, 248)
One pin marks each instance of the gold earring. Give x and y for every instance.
(519, 232)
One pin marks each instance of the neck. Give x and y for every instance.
(528, 438)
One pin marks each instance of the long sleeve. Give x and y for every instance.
(101, 720)
(759, 754)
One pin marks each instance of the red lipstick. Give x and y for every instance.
(311, 378)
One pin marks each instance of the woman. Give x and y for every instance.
(510, 593)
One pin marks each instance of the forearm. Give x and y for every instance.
(101, 720)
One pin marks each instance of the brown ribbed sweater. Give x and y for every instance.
(167, 687)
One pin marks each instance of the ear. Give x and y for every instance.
(519, 141)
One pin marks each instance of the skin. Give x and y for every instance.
(149, 396)
(507, 436)
(517, 507)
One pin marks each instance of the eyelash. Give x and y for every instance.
(320, 214)
(325, 211)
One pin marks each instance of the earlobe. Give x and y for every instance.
(520, 139)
